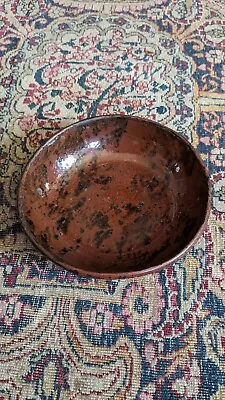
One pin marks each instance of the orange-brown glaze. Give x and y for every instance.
(114, 196)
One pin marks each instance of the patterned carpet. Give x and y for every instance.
(68, 337)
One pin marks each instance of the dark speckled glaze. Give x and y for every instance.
(114, 197)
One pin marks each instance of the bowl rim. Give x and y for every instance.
(113, 275)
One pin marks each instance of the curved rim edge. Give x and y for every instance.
(116, 275)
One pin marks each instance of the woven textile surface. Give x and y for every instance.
(67, 337)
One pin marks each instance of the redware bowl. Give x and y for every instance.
(114, 197)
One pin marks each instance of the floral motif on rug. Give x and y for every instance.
(64, 336)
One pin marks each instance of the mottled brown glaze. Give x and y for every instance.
(114, 197)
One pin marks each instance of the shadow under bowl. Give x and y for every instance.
(114, 197)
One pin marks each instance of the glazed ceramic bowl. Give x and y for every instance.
(114, 197)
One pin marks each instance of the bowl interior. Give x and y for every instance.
(114, 195)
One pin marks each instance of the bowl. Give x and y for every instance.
(114, 197)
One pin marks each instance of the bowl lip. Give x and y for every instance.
(113, 275)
